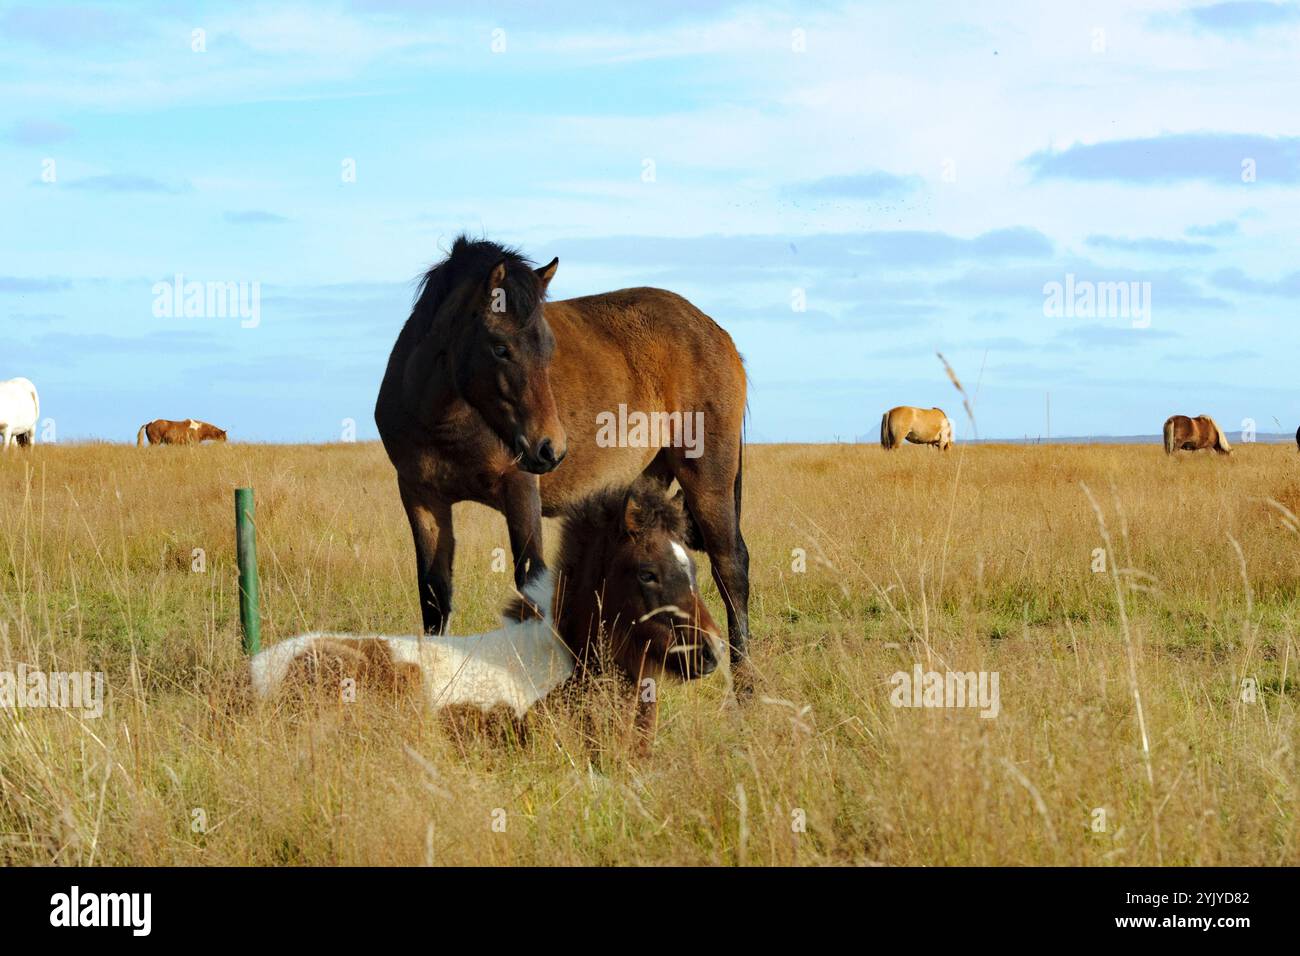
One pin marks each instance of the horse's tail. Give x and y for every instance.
(139, 436)
(740, 470)
(1220, 439)
(1169, 436)
(886, 440)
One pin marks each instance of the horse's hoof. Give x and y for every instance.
(743, 681)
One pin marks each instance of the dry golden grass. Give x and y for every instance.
(978, 560)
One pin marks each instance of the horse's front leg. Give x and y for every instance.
(521, 502)
(435, 551)
(6, 437)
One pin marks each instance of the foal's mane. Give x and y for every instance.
(473, 260)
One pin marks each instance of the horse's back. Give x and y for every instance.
(18, 387)
(639, 351)
(644, 322)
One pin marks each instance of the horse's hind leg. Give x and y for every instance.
(662, 470)
(711, 485)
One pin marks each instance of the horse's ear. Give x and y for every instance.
(547, 272)
(632, 517)
(497, 276)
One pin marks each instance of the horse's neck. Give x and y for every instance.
(426, 383)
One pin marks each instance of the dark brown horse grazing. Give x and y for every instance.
(487, 392)
(623, 595)
(1192, 434)
(163, 431)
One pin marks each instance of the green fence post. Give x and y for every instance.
(250, 618)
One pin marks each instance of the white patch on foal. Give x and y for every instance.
(514, 666)
(684, 560)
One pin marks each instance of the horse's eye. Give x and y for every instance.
(500, 351)
(646, 576)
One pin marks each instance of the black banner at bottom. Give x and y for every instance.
(1226, 906)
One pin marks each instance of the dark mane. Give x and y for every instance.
(473, 259)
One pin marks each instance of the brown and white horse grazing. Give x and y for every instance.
(920, 426)
(20, 409)
(623, 592)
(1192, 434)
(489, 389)
(162, 431)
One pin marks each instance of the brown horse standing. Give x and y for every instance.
(487, 392)
(1192, 434)
(163, 431)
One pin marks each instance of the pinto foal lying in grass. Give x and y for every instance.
(623, 592)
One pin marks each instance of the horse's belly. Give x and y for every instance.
(589, 468)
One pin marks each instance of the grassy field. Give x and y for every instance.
(1124, 735)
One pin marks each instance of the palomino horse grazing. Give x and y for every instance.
(920, 426)
(20, 408)
(623, 592)
(162, 431)
(486, 390)
(1192, 434)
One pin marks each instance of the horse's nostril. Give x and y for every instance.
(546, 451)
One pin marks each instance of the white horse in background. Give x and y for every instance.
(20, 409)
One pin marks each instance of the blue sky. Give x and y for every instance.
(913, 174)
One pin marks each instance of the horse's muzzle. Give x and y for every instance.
(696, 659)
(540, 460)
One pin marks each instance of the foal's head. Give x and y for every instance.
(487, 301)
(627, 577)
